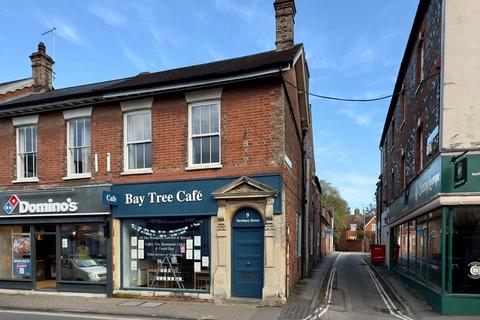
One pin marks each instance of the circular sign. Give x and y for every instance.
(474, 268)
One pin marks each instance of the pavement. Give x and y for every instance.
(301, 302)
(417, 307)
(341, 286)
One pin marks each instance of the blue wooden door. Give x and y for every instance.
(247, 254)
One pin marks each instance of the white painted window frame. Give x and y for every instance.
(76, 114)
(71, 175)
(126, 169)
(131, 107)
(18, 123)
(191, 136)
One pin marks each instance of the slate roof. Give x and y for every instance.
(218, 69)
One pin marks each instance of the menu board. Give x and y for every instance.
(158, 248)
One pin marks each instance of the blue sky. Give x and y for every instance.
(353, 48)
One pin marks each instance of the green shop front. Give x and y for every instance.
(169, 230)
(435, 234)
(55, 240)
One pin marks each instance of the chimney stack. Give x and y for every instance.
(285, 20)
(41, 69)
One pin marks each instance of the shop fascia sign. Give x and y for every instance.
(43, 207)
(156, 198)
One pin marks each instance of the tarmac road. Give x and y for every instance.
(351, 290)
(37, 315)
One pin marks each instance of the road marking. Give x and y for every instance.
(320, 311)
(69, 315)
(386, 299)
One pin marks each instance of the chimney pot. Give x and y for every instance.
(41, 69)
(41, 47)
(285, 21)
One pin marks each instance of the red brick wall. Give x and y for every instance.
(251, 139)
(292, 179)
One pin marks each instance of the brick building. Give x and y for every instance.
(427, 196)
(196, 181)
(357, 232)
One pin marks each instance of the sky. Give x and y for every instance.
(353, 49)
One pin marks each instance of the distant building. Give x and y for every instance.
(428, 195)
(327, 225)
(356, 232)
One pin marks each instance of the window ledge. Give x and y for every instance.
(204, 166)
(137, 171)
(78, 176)
(25, 180)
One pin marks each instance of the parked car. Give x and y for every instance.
(83, 270)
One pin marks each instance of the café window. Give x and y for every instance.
(84, 253)
(138, 141)
(204, 129)
(15, 250)
(169, 254)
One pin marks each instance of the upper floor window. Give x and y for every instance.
(374, 227)
(204, 149)
(420, 61)
(205, 133)
(26, 133)
(353, 227)
(78, 142)
(78, 147)
(27, 152)
(137, 154)
(138, 144)
(419, 149)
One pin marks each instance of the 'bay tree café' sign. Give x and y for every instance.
(178, 198)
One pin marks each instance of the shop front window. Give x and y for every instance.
(435, 248)
(466, 250)
(171, 253)
(412, 247)
(15, 249)
(84, 253)
(422, 234)
(403, 261)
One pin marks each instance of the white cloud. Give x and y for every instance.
(363, 119)
(140, 63)
(108, 15)
(238, 8)
(64, 29)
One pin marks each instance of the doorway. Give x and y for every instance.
(247, 254)
(45, 257)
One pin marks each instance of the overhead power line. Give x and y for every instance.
(364, 100)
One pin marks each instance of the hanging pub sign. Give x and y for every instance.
(460, 172)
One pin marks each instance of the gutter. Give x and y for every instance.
(122, 95)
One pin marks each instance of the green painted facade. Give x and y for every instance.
(441, 176)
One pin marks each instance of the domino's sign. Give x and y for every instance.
(49, 206)
(11, 204)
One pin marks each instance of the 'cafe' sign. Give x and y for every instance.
(154, 197)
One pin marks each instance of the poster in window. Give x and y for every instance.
(21, 244)
(21, 267)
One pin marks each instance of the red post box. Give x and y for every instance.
(377, 254)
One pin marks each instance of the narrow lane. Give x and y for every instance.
(353, 292)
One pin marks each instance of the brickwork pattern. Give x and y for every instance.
(422, 104)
